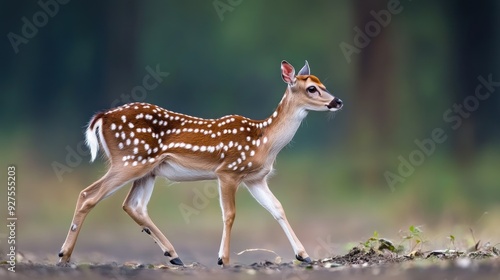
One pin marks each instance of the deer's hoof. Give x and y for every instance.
(176, 261)
(306, 260)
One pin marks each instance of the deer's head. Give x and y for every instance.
(307, 91)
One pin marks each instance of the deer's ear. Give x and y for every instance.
(305, 70)
(287, 72)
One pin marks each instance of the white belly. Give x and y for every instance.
(178, 173)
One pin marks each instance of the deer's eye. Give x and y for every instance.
(312, 89)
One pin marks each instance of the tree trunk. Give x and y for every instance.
(122, 20)
(474, 27)
(372, 110)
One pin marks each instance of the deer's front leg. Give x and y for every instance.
(227, 192)
(261, 192)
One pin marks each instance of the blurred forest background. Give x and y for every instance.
(402, 68)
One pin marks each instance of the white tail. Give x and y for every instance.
(143, 141)
(91, 137)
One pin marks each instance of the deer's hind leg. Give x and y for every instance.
(136, 206)
(88, 198)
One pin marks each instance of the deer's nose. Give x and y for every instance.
(335, 104)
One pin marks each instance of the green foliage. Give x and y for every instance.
(451, 237)
(378, 243)
(414, 237)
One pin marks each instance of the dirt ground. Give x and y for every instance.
(358, 263)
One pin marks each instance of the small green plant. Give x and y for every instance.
(378, 243)
(371, 242)
(414, 237)
(451, 237)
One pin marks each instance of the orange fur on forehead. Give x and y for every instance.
(311, 77)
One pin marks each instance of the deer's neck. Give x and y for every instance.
(283, 124)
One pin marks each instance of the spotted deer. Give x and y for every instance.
(143, 141)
